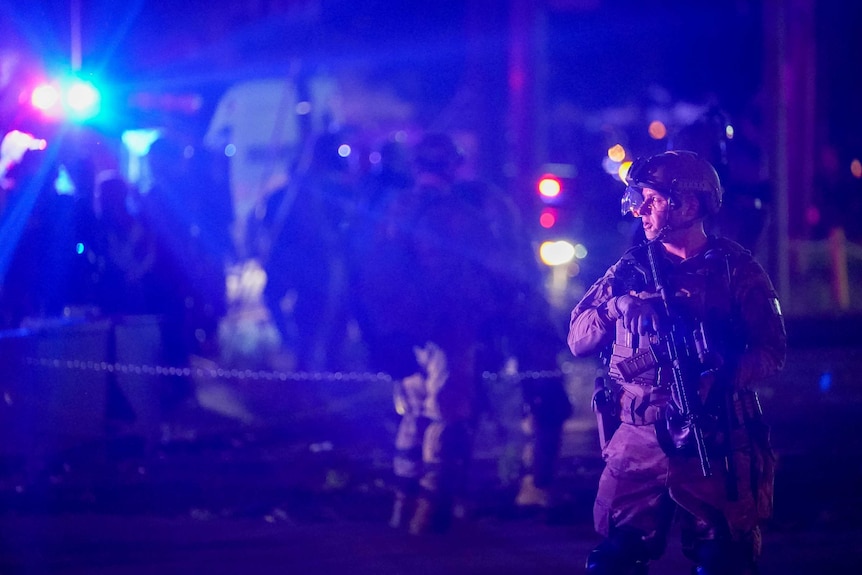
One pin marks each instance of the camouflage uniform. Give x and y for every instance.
(441, 397)
(644, 481)
(429, 294)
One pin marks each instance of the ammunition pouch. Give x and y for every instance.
(747, 409)
(748, 412)
(640, 362)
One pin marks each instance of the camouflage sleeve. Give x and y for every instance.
(592, 322)
(762, 323)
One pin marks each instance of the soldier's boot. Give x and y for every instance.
(600, 563)
(539, 461)
(722, 557)
(445, 452)
(621, 554)
(532, 496)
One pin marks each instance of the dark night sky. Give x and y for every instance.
(693, 52)
(602, 53)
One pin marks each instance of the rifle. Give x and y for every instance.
(681, 349)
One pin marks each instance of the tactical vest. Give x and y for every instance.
(700, 287)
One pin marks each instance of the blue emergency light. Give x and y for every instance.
(72, 99)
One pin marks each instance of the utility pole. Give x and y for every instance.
(76, 58)
(526, 87)
(790, 75)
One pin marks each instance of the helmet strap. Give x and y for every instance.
(669, 227)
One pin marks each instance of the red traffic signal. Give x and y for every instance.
(548, 218)
(549, 187)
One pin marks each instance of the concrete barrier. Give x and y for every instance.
(60, 386)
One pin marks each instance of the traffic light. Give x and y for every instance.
(548, 217)
(549, 187)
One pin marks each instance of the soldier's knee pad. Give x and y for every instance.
(617, 557)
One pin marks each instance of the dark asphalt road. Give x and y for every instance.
(311, 494)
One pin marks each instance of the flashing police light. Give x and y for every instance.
(74, 99)
(82, 100)
(45, 97)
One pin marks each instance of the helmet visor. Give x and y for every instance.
(632, 200)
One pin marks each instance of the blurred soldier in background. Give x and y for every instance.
(125, 249)
(693, 323)
(85, 273)
(37, 258)
(739, 163)
(302, 242)
(182, 208)
(428, 294)
(520, 337)
(452, 292)
(379, 189)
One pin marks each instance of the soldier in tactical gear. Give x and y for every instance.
(454, 302)
(709, 293)
(429, 295)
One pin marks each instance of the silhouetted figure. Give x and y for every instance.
(37, 225)
(379, 191)
(521, 333)
(84, 272)
(125, 248)
(188, 288)
(428, 294)
(302, 242)
(738, 162)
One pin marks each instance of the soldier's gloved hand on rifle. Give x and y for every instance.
(639, 315)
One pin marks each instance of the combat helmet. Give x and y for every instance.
(437, 153)
(674, 174)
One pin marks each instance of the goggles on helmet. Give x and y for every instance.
(634, 201)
